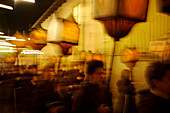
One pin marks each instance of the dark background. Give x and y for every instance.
(23, 16)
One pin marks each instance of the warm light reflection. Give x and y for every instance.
(6, 47)
(6, 44)
(6, 51)
(32, 1)
(15, 39)
(7, 37)
(6, 7)
(32, 52)
(1, 33)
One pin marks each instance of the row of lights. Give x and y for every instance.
(11, 48)
(11, 8)
(6, 46)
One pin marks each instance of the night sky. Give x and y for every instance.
(23, 16)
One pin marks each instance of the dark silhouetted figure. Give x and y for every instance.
(157, 98)
(93, 96)
(126, 90)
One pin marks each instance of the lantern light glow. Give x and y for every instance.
(31, 1)
(6, 7)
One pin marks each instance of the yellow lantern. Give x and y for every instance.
(18, 43)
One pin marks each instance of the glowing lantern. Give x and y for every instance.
(130, 56)
(38, 39)
(38, 34)
(82, 55)
(119, 16)
(63, 32)
(97, 56)
(11, 58)
(19, 43)
(89, 56)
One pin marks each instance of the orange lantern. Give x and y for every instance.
(89, 56)
(119, 16)
(97, 56)
(38, 34)
(130, 56)
(19, 43)
(82, 55)
(38, 39)
(11, 58)
(63, 32)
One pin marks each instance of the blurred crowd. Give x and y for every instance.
(27, 89)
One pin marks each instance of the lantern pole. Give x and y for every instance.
(112, 59)
(111, 63)
(131, 70)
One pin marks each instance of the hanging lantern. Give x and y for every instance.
(97, 56)
(63, 32)
(89, 56)
(11, 58)
(18, 40)
(119, 16)
(130, 56)
(38, 34)
(38, 39)
(82, 55)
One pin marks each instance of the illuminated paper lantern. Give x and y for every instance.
(129, 57)
(63, 32)
(38, 38)
(119, 16)
(83, 55)
(11, 58)
(38, 34)
(89, 56)
(18, 43)
(97, 56)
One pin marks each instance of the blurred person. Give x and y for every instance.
(70, 76)
(126, 90)
(21, 70)
(26, 75)
(49, 72)
(157, 98)
(59, 76)
(93, 96)
(31, 71)
(45, 85)
(81, 75)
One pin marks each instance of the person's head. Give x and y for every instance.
(21, 69)
(48, 72)
(95, 71)
(125, 74)
(32, 69)
(158, 77)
